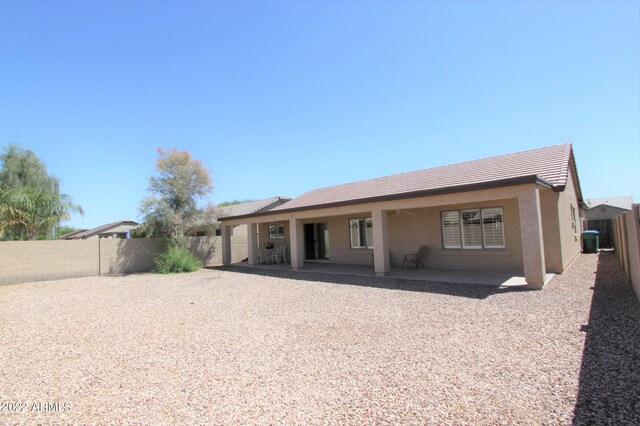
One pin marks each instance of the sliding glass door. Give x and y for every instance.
(316, 241)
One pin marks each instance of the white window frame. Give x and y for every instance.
(360, 225)
(484, 238)
(574, 222)
(276, 232)
(465, 245)
(445, 232)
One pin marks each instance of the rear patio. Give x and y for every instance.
(481, 276)
(517, 211)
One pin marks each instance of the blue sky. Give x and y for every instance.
(281, 97)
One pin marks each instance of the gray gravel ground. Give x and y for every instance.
(609, 390)
(223, 346)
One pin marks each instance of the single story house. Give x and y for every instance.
(518, 210)
(120, 229)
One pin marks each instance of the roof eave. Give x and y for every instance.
(263, 209)
(519, 180)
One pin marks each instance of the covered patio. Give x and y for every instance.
(506, 220)
(480, 276)
(391, 228)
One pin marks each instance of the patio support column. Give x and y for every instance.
(532, 243)
(380, 242)
(226, 245)
(296, 234)
(252, 243)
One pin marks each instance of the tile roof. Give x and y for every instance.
(550, 165)
(252, 206)
(71, 234)
(86, 233)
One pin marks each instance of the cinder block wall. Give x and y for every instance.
(22, 261)
(206, 248)
(209, 249)
(626, 232)
(239, 249)
(118, 256)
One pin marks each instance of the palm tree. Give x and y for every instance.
(34, 210)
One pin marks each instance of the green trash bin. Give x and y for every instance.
(590, 241)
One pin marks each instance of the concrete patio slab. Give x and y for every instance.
(492, 277)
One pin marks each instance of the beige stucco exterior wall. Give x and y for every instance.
(263, 235)
(561, 242)
(570, 239)
(339, 240)
(407, 233)
(339, 245)
(551, 231)
(544, 242)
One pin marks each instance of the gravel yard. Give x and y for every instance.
(225, 346)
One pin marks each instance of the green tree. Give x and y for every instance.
(234, 202)
(181, 185)
(22, 168)
(34, 210)
(65, 229)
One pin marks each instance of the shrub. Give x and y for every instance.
(175, 260)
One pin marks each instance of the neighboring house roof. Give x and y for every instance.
(70, 235)
(549, 166)
(104, 229)
(251, 207)
(620, 202)
(604, 211)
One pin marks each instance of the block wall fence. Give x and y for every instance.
(626, 235)
(22, 261)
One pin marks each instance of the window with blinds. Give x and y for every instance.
(451, 229)
(369, 225)
(493, 228)
(473, 229)
(361, 233)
